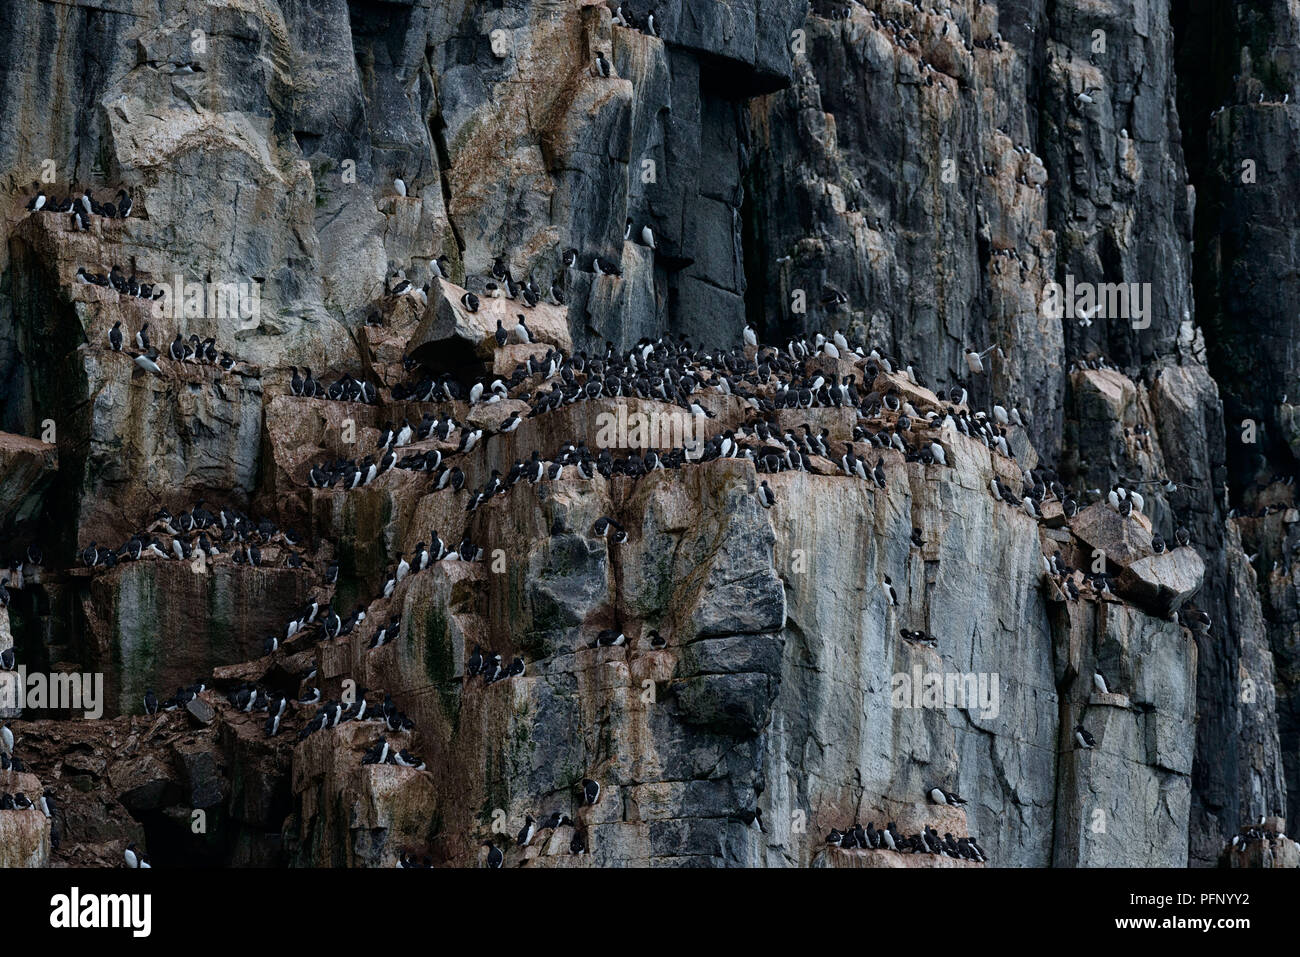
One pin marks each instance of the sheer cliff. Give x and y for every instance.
(376, 183)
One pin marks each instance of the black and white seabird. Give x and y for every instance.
(590, 791)
(526, 832)
(609, 638)
(750, 818)
(406, 759)
(975, 360)
(889, 837)
(148, 361)
(951, 798)
(1082, 738)
(603, 267)
(556, 819)
(115, 336)
(602, 65)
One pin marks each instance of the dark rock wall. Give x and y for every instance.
(937, 168)
(1237, 66)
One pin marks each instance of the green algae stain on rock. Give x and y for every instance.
(361, 548)
(496, 778)
(135, 643)
(522, 743)
(220, 593)
(439, 666)
(660, 586)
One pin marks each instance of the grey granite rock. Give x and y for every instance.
(774, 150)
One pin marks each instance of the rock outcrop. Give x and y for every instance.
(318, 185)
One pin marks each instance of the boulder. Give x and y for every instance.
(450, 338)
(1162, 583)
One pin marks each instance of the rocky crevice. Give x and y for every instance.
(937, 169)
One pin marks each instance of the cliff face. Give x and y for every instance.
(938, 168)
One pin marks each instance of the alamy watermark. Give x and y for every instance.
(207, 300)
(1085, 301)
(970, 691)
(60, 691)
(75, 910)
(651, 430)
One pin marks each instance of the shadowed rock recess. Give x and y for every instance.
(794, 526)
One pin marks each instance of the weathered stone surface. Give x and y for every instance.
(451, 337)
(1280, 852)
(1162, 583)
(104, 774)
(1123, 538)
(200, 711)
(378, 808)
(1144, 752)
(160, 624)
(24, 838)
(940, 181)
(26, 466)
